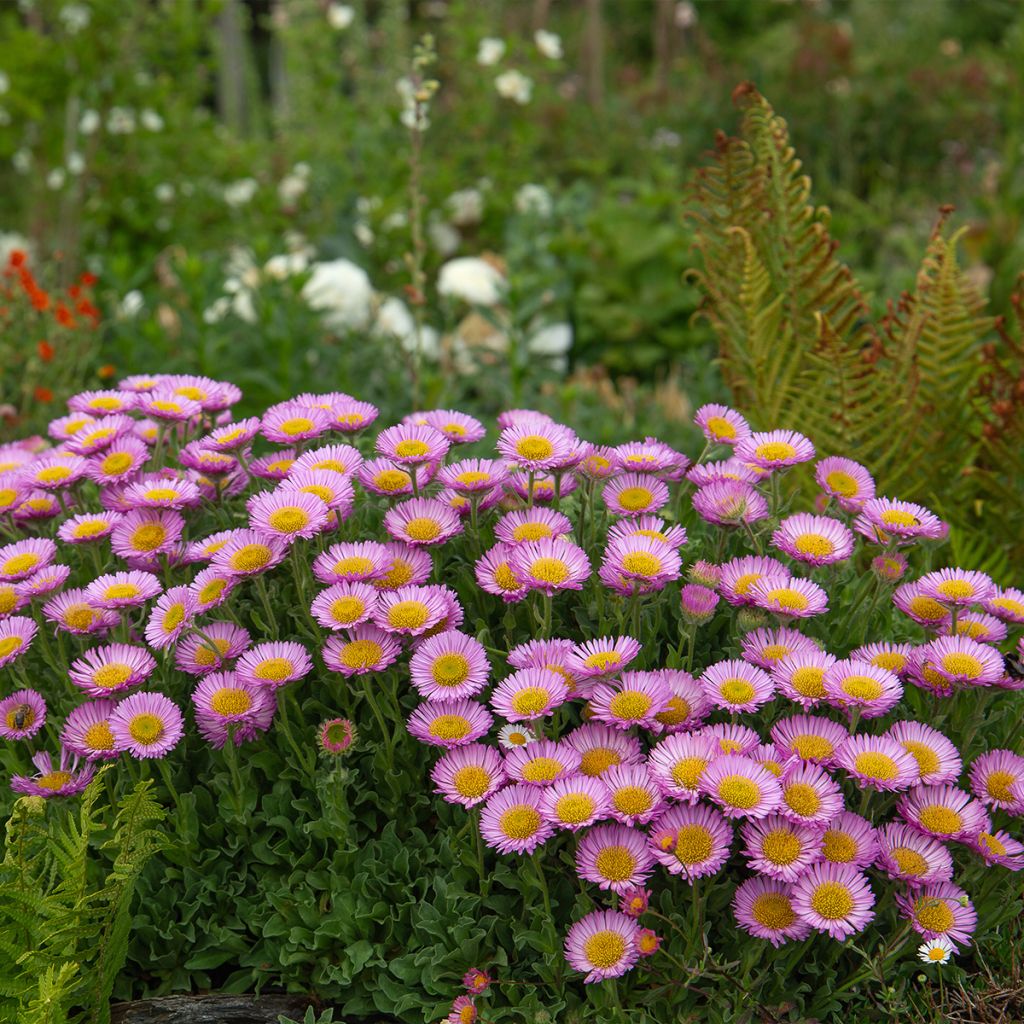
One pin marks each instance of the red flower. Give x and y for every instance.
(43, 395)
(63, 315)
(87, 280)
(45, 351)
(17, 258)
(107, 371)
(40, 300)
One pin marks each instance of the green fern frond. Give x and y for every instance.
(55, 993)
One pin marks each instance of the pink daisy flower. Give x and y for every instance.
(816, 540)
(937, 758)
(473, 476)
(650, 456)
(494, 574)
(352, 416)
(146, 725)
(249, 553)
(171, 615)
(601, 748)
(512, 820)
(726, 471)
(287, 514)
(924, 610)
(810, 796)
(631, 700)
(634, 494)
(736, 686)
(275, 466)
(809, 738)
(652, 563)
(574, 802)
(232, 436)
(161, 491)
(332, 489)
(678, 764)
(344, 605)
(893, 657)
(763, 907)
(422, 521)
(961, 660)
(687, 707)
(730, 738)
(221, 642)
(849, 839)
(634, 902)
(24, 558)
(993, 776)
(532, 524)
(384, 477)
(835, 899)
(692, 841)
(361, 650)
(88, 527)
(64, 780)
(957, 587)
(87, 732)
(22, 715)
(123, 589)
(549, 565)
(227, 707)
(780, 848)
(403, 566)
(100, 439)
(883, 518)
(597, 659)
(729, 503)
(351, 562)
(789, 598)
(468, 775)
(721, 425)
(845, 480)
(146, 533)
(741, 788)
(12, 599)
(651, 527)
(291, 422)
(163, 404)
(63, 428)
(604, 944)
(536, 445)
(614, 857)
(448, 666)
(542, 763)
(877, 762)
(55, 471)
(940, 910)
(111, 669)
(544, 487)
(985, 629)
(553, 654)
(274, 664)
(858, 684)
(739, 575)
(38, 505)
(47, 580)
(766, 648)
(769, 758)
(73, 614)
(456, 426)
(944, 812)
(1007, 605)
(449, 723)
(340, 459)
(529, 694)
(906, 855)
(409, 611)
(412, 445)
(775, 449)
(633, 797)
(998, 848)
(599, 463)
(212, 588)
(16, 636)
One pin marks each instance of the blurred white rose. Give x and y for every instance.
(131, 305)
(240, 192)
(291, 188)
(490, 51)
(151, 121)
(534, 200)
(243, 306)
(340, 16)
(88, 122)
(285, 265)
(472, 280)
(341, 292)
(514, 85)
(465, 207)
(549, 44)
(552, 340)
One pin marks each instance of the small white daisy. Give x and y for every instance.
(936, 951)
(512, 736)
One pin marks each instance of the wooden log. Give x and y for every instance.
(210, 1009)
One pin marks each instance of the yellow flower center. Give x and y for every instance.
(297, 425)
(833, 901)
(838, 847)
(927, 609)
(677, 712)
(802, 798)
(736, 691)
(161, 494)
(54, 780)
(274, 669)
(927, 760)
(392, 480)
(173, 618)
(775, 652)
(21, 716)
(105, 403)
(471, 781)
(934, 915)
(941, 820)
(90, 527)
(694, 844)
(212, 590)
(956, 589)
(505, 578)
(533, 448)
(8, 599)
(787, 599)
(325, 494)
(121, 592)
(472, 476)
(891, 661)
(812, 748)
(22, 563)
(530, 700)
(79, 616)
(960, 664)
(146, 728)
(7, 497)
(549, 570)
(739, 791)
(542, 769)
(98, 737)
(165, 405)
(206, 655)
(632, 800)
(633, 499)
(997, 785)
(345, 610)
(114, 674)
(288, 519)
(775, 451)
(598, 760)
(745, 582)
(721, 428)
(520, 821)
(629, 706)
(148, 536)
(574, 808)
(1008, 604)
(841, 483)
(994, 846)
(909, 862)
(450, 727)
(773, 910)
(898, 517)
(873, 764)
(809, 682)
(814, 544)
(412, 449)
(686, 772)
(602, 660)
(229, 701)
(422, 528)
(408, 615)
(936, 954)
(9, 645)
(251, 557)
(615, 863)
(532, 531)
(861, 687)
(641, 563)
(781, 846)
(361, 654)
(604, 949)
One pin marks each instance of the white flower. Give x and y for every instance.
(490, 51)
(151, 121)
(74, 18)
(512, 736)
(121, 121)
(686, 15)
(285, 265)
(552, 340)
(5, 82)
(364, 234)
(514, 85)
(395, 221)
(549, 44)
(341, 292)
(395, 321)
(216, 312)
(75, 163)
(21, 160)
(534, 200)
(936, 951)
(292, 187)
(56, 178)
(472, 280)
(88, 122)
(443, 237)
(11, 240)
(243, 307)
(131, 305)
(164, 192)
(465, 207)
(340, 16)
(240, 192)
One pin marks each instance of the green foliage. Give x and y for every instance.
(67, 882)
